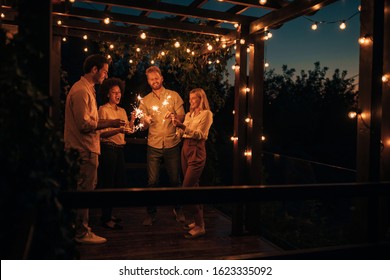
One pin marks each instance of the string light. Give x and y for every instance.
(85, 49)
(234, 138)
(2, 15)
(248, 153)
(111, 46)
(385, 78)
(343, 25)
(59, 22)
(262, 2)
(177, 44)
(266, 64)
(242, 41)
(85, 37)
(106, 20)
(210, 47)
(263, 138)
(143, 36)
(64, 39)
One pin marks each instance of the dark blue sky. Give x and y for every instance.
(298, 46)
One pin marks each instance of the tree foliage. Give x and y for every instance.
(306, 115)
(33, 160)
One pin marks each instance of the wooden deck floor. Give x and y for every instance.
(165, 239)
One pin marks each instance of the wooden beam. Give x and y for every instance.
(271, 5)
(135, 20)
(171, 9)
(293, 10)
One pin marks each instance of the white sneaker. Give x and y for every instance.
(90, 238)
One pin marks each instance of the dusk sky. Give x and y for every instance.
(298, 46)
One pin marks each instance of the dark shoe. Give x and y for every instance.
(189, 226)
(179, 215)
(115, 219)
(112, 225)
(149, 220)
(195, 232)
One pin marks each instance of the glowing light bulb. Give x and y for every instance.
(64, 39)
(263, 138)
(85, 37)
(262, 2)
(314, 26)
(177, 44)
(162, 53)
(224, 45)
(266, 64)
(242, 41)
(106, 20)
(108, 56)
(362, 40)
(352, 115)
(236, 25)
(2, 15)
(385, 78)
(343, 25)
(130, 61)
(137, 49)
(85, 49)
(143, 36)
(112, 46)
(210, 47)
(59, 22)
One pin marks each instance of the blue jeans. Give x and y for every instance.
(171, 159)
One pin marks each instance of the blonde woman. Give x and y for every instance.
(194, 130)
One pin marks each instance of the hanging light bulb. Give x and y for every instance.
(85, 49)
(236, 25)
(109, 56)
(210, 47)
(269, 34)
(262, 2)
(131, 61)
(248, 50)
(352, 114)
(112, 46)
(162, 53)
(314, 26)
(266, 64)
(85, 37)
(152, 61)
(343, 25)
(138, 49)
(224, 45)
(59, 22)
(242, 41)
(106, 20)
(143, 36)
(64, 39)
(177, 44)
(2, 15)
(362, 40)
(385, 78)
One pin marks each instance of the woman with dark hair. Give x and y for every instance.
(194, 131)
(111, 171)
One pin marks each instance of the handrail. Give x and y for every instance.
(229, 194)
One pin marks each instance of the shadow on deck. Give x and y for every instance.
(165, 239)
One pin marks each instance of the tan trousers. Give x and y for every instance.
(193, 159)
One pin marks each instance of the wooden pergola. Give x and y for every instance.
(373, 148)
